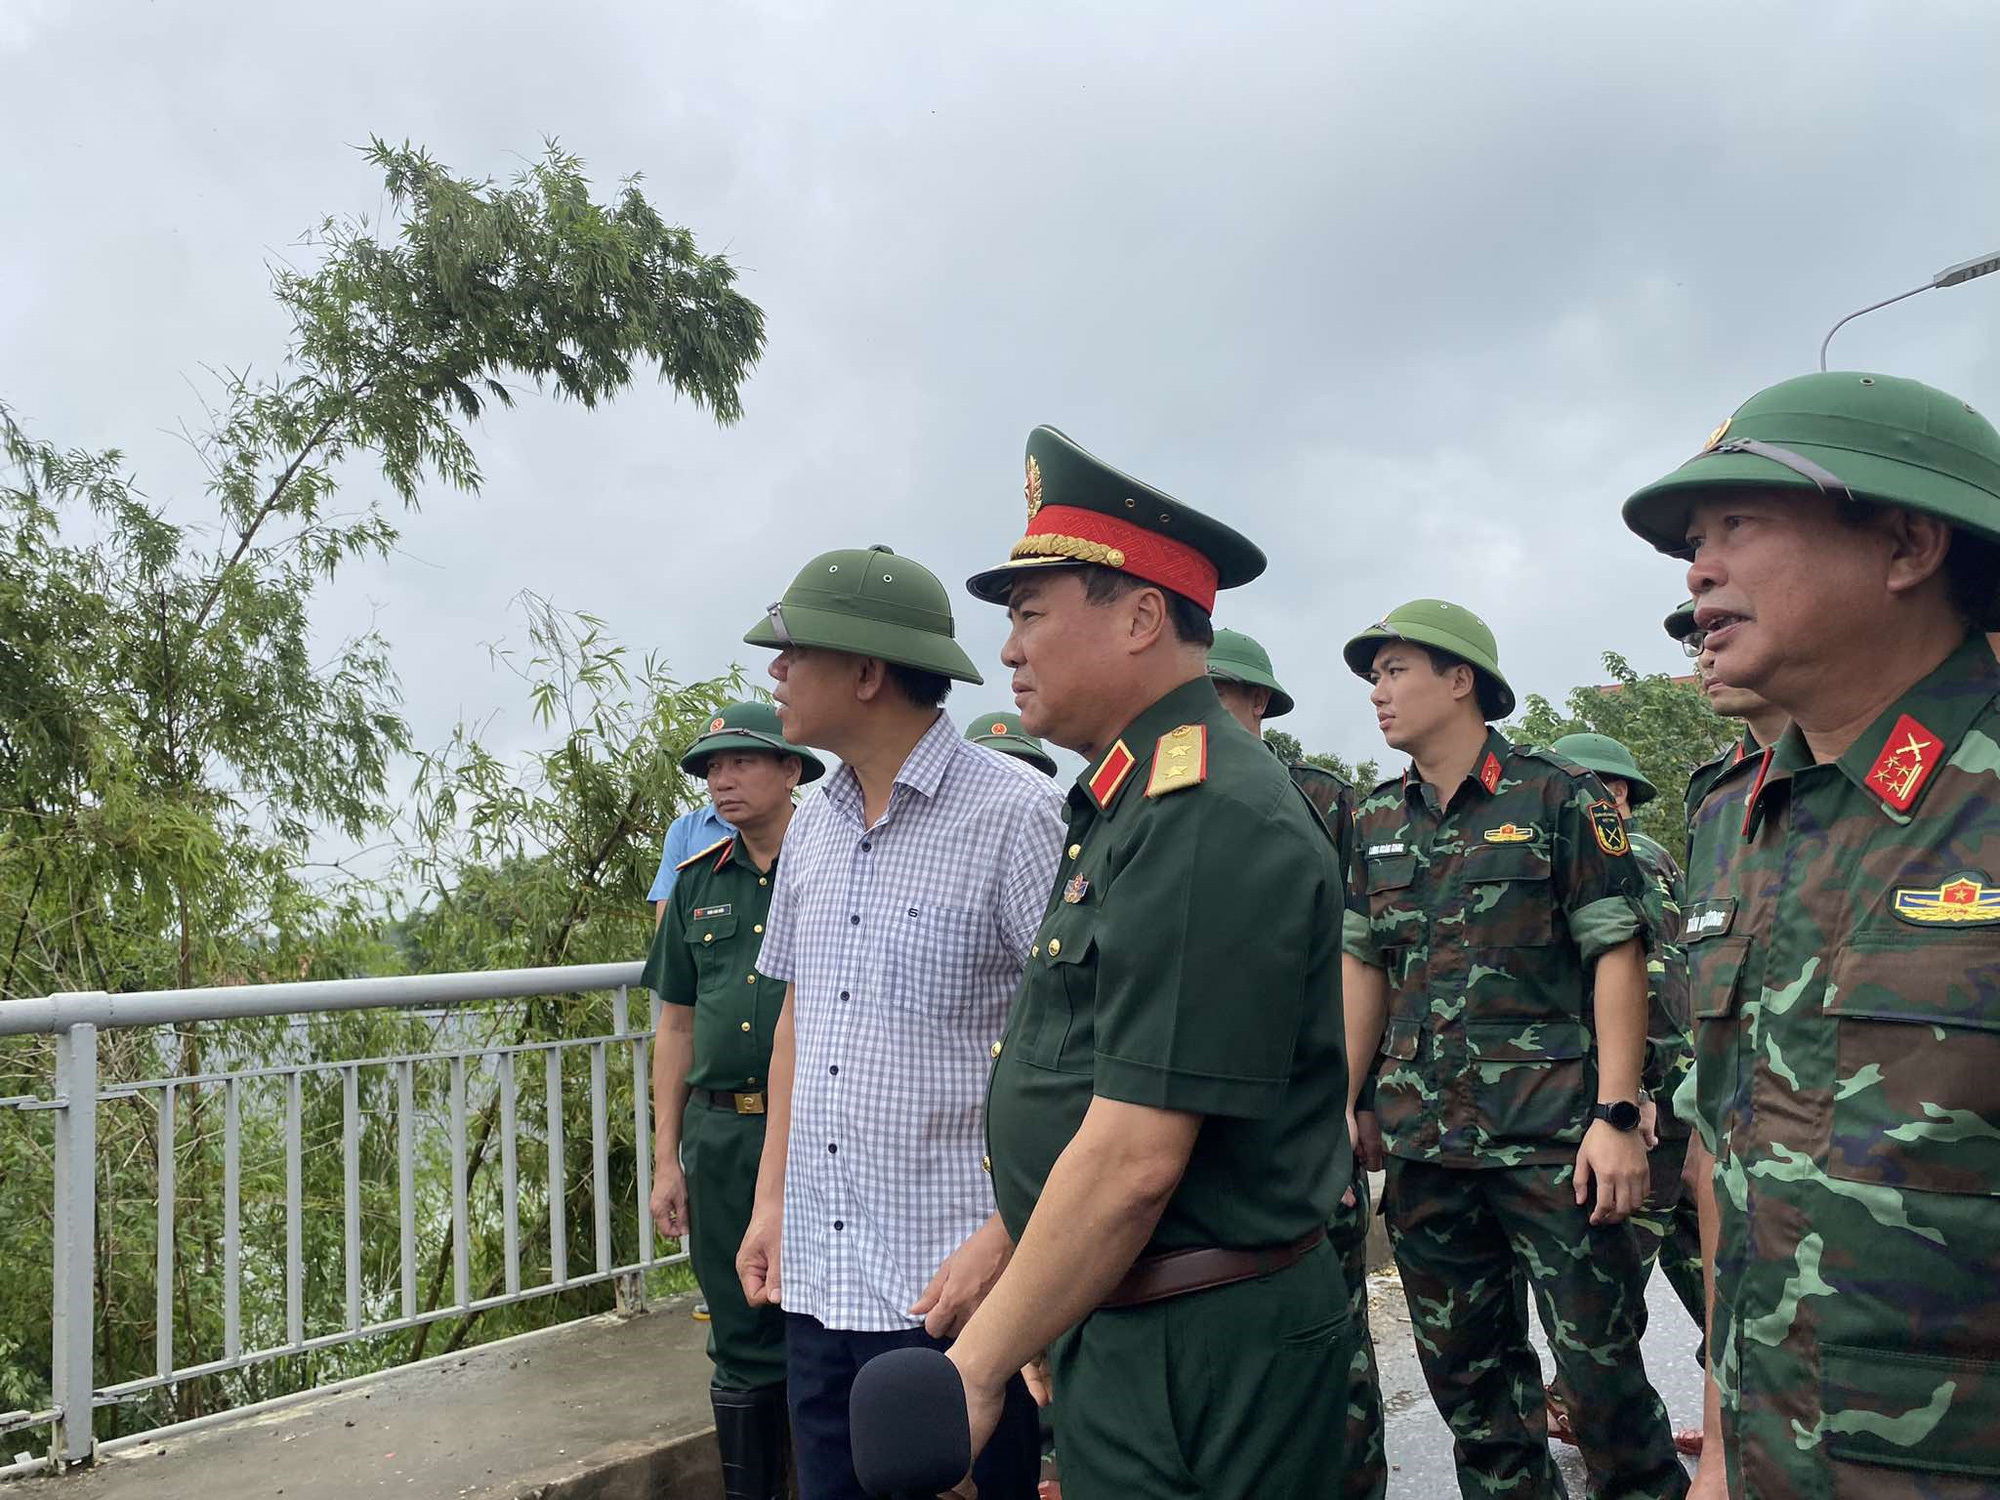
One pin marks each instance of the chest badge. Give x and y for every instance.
(1905, 764)
(700, 913)
(1608, 828)
(1964, 900)
(1078, 888)
(1510, 833)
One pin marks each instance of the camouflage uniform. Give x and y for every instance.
(1486, 913)
(1846, 962)
(1367, 1476)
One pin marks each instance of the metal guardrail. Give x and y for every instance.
(75, 1020)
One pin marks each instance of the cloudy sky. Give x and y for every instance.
(1413, 294)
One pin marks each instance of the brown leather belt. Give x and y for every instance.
(742, 1104)
(1175, 1273)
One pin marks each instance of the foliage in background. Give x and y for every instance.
(172, 738)
(1667, 725)
(1360, 773)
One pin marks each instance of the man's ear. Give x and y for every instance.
(1145, 618)
(1918, 543)
(1464, 681)
(1260, 701)
(871, 678)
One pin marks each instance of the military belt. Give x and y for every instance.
(742, 1104)
(1175, 1273)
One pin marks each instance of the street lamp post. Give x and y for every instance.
(1964, 271)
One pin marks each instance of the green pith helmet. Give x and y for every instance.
(870, 602)
(1845, 435)
(1235, 657)
(1081, 510)
(1680, 624)
(749, 725)
(1605, 756)
(1003, 732)
(1448, 627)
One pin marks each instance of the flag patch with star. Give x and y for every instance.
(1608, 828)
(1964, 900)
(1179, 760)
(1510, 833)
(1905, 764)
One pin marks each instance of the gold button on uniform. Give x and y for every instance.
(759, 927)
(986, 1165)
(752, 979)
(763, 880)
(1055, 947)
(746, 1025)
(996, 1049)
(1036, 951)
(708, 937)
(1075, 850)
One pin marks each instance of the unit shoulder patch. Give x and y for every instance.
(1963, 901)
(1180, 760)
(1608, 828)
(701, 854)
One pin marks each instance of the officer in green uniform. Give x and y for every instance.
(710, 1061)
(1249, 690)
(1843, 532)
(1165, 1120)
(1003, 732)
(1672, 1234)
(1497, 963)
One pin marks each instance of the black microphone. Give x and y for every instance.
(907, 1425)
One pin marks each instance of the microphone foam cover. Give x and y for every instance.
(907, 1424)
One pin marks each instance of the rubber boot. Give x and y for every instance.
(755, 1437)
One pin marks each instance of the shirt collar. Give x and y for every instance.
(1485, 775)
(1894, 760)
(1104, 781)
(922, 769)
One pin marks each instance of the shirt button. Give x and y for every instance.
(834, 1070)
(831, 1149)
(1075, 850)
(758, 928)
(839, 1224)
(986, 1165)
(1055, 947)
(708, 937)
(763, 880)
(746, 1025)
(843, 994)
(854, 919)
(996, 1049)
(750, 979)
(866, 845)
(1036, 951)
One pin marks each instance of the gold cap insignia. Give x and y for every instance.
(716, 726)
(1715, 437)
(1034, 487)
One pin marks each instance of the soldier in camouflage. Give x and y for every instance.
(1843, 532)
(1241, 669)
(1762, 723)
(1496, 962)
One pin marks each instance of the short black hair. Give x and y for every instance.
(924, 689)
(1192, 625)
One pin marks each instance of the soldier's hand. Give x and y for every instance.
(1035, 1375)
(757, 1260)
(670, 1199)
(963, 1281)
(1368, 1139)
(1649, 1120)
(1615, 1160)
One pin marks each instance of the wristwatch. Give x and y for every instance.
(1623, 1115)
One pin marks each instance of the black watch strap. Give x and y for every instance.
(1622, 1115)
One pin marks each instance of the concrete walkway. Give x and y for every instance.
(608, 1407)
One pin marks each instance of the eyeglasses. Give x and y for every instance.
(1694, 644)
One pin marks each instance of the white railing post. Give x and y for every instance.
(75, 1314)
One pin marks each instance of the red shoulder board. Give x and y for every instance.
(1489, 773)
(1179, 760)
(1905, 764)
(701, 854)
(1110, 774)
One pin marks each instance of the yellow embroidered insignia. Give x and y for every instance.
(701, 854)
(1715, 438)
(1964, 900)
(1509, 833)
(1905, 763)
(1608, 828)
(1110, 774)
(1034, 487)
(1180, 760)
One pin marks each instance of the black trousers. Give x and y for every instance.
(821, 1364)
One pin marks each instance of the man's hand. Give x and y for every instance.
(670, 1199)
(1649, 1121)
(1367, 1138)
(1035, 1375)
(983, 1404)
(963, 1281)
(757, 1260)
(1616, 1160)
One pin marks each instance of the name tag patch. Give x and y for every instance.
(1706, 919)
(701, 912)
(1375, 851)
(1963, 901)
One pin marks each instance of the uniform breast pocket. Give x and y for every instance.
(1718, 976)
(934, 957)
(1916, 1099)
(1510, 900)
(708, 938)
(1394, 917)
(1532, 1080)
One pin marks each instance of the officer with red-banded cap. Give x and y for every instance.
(1165, 1120)
(1843, 538)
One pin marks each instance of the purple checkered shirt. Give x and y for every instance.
(903, 943)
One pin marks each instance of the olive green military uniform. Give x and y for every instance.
(1844, 949)
(1487, 911)
(1237, 657)
(1188, 962)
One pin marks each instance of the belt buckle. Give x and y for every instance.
(749, 1104)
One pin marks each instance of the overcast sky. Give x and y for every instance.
(1412, 294)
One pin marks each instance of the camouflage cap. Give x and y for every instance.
(1680, 624)
(1081, 510)
(1450, 628)
(1608, 757)
(870, 602)
(1845, 435)
(1236, 657)
(749, 725)
(1003, 732)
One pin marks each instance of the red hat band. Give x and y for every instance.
(1091, 536)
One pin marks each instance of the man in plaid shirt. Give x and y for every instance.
(911, 887)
